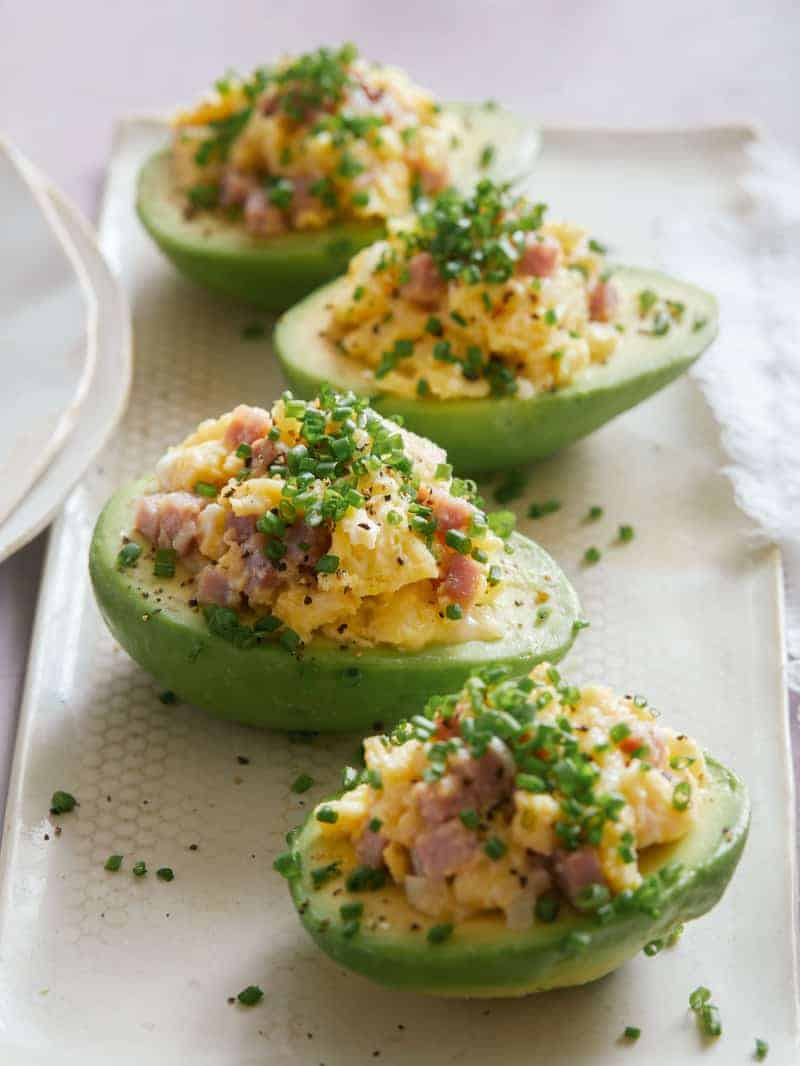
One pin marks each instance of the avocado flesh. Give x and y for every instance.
(272, 273)
(494, 434)
(483, 958)
(327, 688)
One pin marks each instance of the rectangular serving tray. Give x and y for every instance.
(98, 967)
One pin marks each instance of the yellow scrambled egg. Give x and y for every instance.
(363, 135)
(367, 568)
(656, 778)
(532, 325)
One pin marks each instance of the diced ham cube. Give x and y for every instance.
(369, 848)
(261, 218)
(603, 302)
(460, 579)
(263, 455)
(425, 285)
(477, 784)
(450, 512)
(305, 545)
(235, 186)
(443, 850)
(214, 587)
(248, 424)
(433, 179)
(540, 258)
(169, 519)
(577, 870)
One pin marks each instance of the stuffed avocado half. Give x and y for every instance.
(521, 836)
(500, 335)
(316, 567)
(276, 180)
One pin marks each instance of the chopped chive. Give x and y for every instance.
(165, 873)
(164, 564)
(128, 554)
(699, 997)
(580, 624)
(653, 948)
(619, 732)
(511, 487)
(327, 814)
(205, 488)
(495, 848)
(470, 819)
(244, 451)
(647, 301)
(625, 533)
(454, 612)
(487, 156)
(632, 1032)
(459, 541)
(551, 316)
(302, 783)
(349, 911)
(437, 934)
(139, 869)
(113, 863)
(595, 512)
(444, 471)
(762, 1049)
(375, 825)
(366, 879)
(539, 510)
(62, 802)
(423, 388)
(547, 907)
(251, 995)
(682, 796)
(327, 564)
(285, 864)
(596, 246)
(168, 697)
(322, 874)
(591, 556)
(290, 640)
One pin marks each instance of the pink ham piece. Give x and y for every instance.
(261, 218)
(305, 545)
(603, 302)
(425, 286)
(248, 424)
(539, 259)
(432, 179)
(450, 512)
(169, 519)
(235, 187)
(469, 784)
(263, 455)
(443, 850)
(576, 870)
(369, 848)
(461, 577)
(213, 587)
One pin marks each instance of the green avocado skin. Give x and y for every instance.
(494, 434)
(326, 688)
(273, 273)
(484, 959)
(269, 274)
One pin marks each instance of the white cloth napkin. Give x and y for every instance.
(751, 376)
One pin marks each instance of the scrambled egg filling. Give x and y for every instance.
(315, 138)
(325, 518)
(479, 296)
(518, 795)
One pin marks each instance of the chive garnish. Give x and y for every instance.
(113, 863)
(251, 995)
(62, 802)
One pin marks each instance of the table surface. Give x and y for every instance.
(64, 79)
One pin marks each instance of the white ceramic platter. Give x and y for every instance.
(66, 358)
(98, 967)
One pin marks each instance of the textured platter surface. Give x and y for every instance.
(98, 967)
